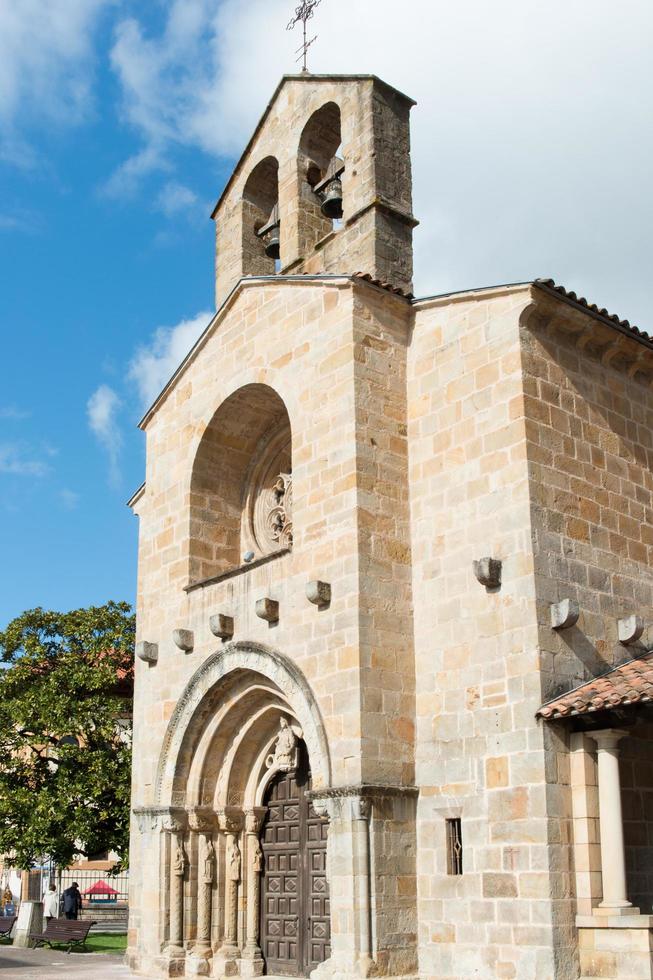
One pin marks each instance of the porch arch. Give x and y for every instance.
(225, 722)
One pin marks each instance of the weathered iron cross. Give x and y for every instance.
(303, 13)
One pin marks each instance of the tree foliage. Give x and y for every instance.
(65, 733)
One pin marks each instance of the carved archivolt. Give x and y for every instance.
(290, 695)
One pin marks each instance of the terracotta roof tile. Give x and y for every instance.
(629, 683)
(601, 313)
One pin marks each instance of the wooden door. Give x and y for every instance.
(295, 923)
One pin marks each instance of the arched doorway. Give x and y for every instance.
(295, 924)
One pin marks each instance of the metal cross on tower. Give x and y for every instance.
(303, 13)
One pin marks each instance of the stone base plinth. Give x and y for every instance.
(616, 947)
(251, 966)
(225, 965)
(198, 963)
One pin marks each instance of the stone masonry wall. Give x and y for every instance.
(480, 755)
(590, 451)
(337, 360)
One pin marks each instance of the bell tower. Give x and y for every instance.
(323, 187)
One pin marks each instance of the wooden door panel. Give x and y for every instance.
(295, 923)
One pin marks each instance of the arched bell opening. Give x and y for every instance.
(241, 484)
(320, 171)
(261, 228)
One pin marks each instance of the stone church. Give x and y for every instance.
(393, 692)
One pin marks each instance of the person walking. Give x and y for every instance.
(72, 901)
(51, 903)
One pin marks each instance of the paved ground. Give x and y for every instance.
(44, 964)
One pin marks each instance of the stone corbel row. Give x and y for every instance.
(222, 625)
(564, 614)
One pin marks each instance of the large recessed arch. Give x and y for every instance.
(240, 487)
(208, 759)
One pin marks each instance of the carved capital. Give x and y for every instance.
(163, 818)
(230, 820)
(202, 819)
(254, 819)
(322, 808)
(361, 808)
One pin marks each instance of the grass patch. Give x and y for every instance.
(106, 942)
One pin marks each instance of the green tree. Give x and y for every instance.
(65, 733)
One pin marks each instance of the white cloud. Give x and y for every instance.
(531, 138)
(174, 199)
(10, 412)
(102, 409)
(154, 364)
(45, 66)
(16, 460)
(69, 498)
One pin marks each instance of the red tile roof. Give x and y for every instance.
(629, 683)
(548, 285)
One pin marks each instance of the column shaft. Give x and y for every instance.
(178, 870)
(613, 859)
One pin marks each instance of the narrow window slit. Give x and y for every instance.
(454, 846)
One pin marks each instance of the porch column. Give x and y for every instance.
(179, 864)
(361, 808)
(254, 857)
(613, 860)
(202, 823)
(231, 823)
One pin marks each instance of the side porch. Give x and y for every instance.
(609, 721)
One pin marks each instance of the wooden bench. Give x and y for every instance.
(6, 925)
(63, 932)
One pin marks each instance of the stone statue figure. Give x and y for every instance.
(285, 749)
(233, 860)
(179, 863)
(209, 862)
(257, 858)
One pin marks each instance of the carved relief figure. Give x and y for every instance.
(285, 749)
(209, 862)
(233, 860)
(179, 862)
(257, 858)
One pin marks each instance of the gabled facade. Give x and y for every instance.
(357, 513)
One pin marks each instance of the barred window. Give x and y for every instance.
(454, 846)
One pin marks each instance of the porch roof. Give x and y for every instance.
(629, 683)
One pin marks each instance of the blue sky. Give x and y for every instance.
(119, 124)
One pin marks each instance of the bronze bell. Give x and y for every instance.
(272, 249)
(332, 199)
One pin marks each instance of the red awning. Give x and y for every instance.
(100, 888)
